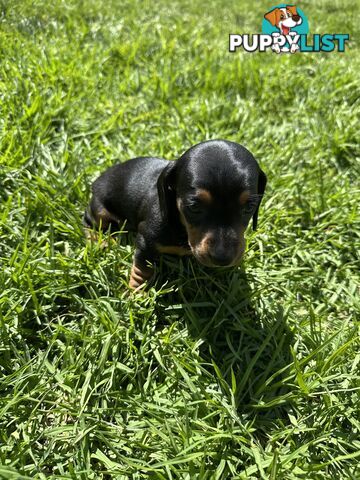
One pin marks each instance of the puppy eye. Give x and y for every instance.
(194, 209)
(250, 206)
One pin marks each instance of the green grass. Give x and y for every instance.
(243, 374)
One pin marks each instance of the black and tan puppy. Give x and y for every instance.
(200, 204)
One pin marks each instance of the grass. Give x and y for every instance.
(244, 374)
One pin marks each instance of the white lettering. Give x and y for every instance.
(234, 42)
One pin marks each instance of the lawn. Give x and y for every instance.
(247, 373)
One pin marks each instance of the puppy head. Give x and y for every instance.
(217, 187)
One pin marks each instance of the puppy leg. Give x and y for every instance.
(141, 271)
(97, 216)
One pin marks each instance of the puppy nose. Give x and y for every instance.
(296, 18)
(220, 258)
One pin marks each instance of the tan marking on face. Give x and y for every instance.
(139, 275)
(173, 250)
(179, 207)
(202, 247)
(196, 237)
(200, 241)
(203, 195)
(244, 197)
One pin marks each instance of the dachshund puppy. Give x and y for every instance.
(199, 204)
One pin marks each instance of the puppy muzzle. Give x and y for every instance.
(219, 255)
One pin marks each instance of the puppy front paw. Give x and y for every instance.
(139, 275)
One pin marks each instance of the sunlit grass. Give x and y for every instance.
(212, 374)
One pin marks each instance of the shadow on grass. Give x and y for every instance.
(245, 338)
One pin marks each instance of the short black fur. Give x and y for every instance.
(158, 200)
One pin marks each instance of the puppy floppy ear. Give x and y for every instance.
(292, 9)
(261, 189)
(166, 188)
(271, 16)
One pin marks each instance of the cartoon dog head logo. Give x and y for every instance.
(285, 23)
(284, 18)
